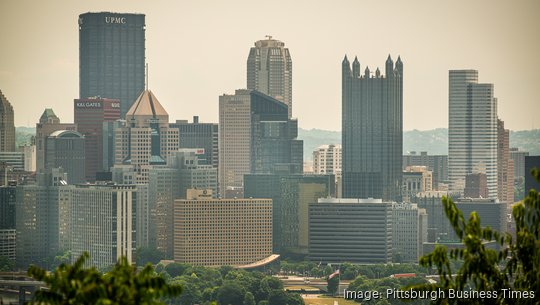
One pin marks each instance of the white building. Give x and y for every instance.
(409, 232)
(327, 160)
(472, 130)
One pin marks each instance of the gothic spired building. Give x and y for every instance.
(112, 56)
(372, 131)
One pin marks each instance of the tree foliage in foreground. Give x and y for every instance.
(74, 284)
(515, 267)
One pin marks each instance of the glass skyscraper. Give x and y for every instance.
(112, 56)
(472, 130)
(372, 131)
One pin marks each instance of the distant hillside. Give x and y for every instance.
(433, 141)
(23, 135)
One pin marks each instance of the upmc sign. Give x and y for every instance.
(120, 20)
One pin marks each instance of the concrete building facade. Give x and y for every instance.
(7, 125)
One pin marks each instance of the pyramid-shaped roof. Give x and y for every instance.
(147, 105)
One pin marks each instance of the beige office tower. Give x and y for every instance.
(234, 139)
(7, 125)
(505, 165)
(48, 123)
(103, 222)
(218, 232)
(146, 140)
(269, 70)
(327, 160)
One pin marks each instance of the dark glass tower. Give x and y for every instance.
(372, 131)
(112, 56)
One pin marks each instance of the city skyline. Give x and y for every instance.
(498, 39)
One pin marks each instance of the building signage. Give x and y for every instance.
(115, 105)
(88, 104)
(120, 20)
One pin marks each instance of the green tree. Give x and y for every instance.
(231, 293)
(249, 299)
(176, 269)
(294, 299)
(6, 264)
(145, 255)
(277, 297)
(516, 266)
(74, 284)
(333, 284)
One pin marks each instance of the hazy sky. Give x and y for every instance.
(197, 50)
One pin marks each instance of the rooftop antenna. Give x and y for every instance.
(268, 36)
(146, 76)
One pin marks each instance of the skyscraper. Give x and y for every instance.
(90, 114)
(505, 165)
(7, 125)
(199, 135)
(146, 140)
(472, 130)
(48, 123)
(112, 56)
(66, 149)
(269, 70)
(372, 131)
(255, 136)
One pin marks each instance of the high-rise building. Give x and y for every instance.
(475, 186)
(8, 233)
(416, 179)
(505, 165)
(518, 158)
(269, 70)
(327, 161)
(530, 183)
(66, 149)
(372, 131)
(218, 232)
(48, 123)
(112, 56)
(7, 125)
(409, 232)
(472, 130)
(199, 135)
(29, 152)
(90, 114)
(146, 140)
(255, 136)
(350, 230)
(103, 223)
(438, 164)
(291, 196)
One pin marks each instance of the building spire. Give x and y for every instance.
(356, 67)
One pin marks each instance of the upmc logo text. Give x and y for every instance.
(121, 20)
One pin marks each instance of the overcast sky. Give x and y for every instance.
(197, 50)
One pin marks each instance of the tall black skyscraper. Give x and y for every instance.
(372, 131)
(112, 56)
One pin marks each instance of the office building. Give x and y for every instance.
(14, 160)
(437, 222)
(103, 223)
(416, 179)
(269, 70)
(146, 140)
(505, 165)
(437, 164)
(350, 230)
(476, 186)
(291, 196)
(29, 152)
(222, 232)
(530, 183)
(372, 131)
(199, 135)
(327, 161)
(409, 232)
(7, 125)
(48, 123)
(90, 116)
(66, 149)
(255, 136)
(112, 56)
(8, 233)
(518, 158)
(472, 130)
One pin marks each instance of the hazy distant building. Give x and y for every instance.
(13, 159)
(29, 152)
(103, 223)
(476, 186)
(7, 125)
(48, 123)
(269, 70)
(199, 135)
(372, 131)
(416, 179)
(112, 56)
(66, 149)
(408, 232)
(350, 230)
(530, 183)
(256, 136)
(90, 114)
(291, 196)
(437, 164)
(146, 140)
(437, 222)
(327, 160)
(472, 130)
(518, 158)
(505, 165)
(222, 232)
